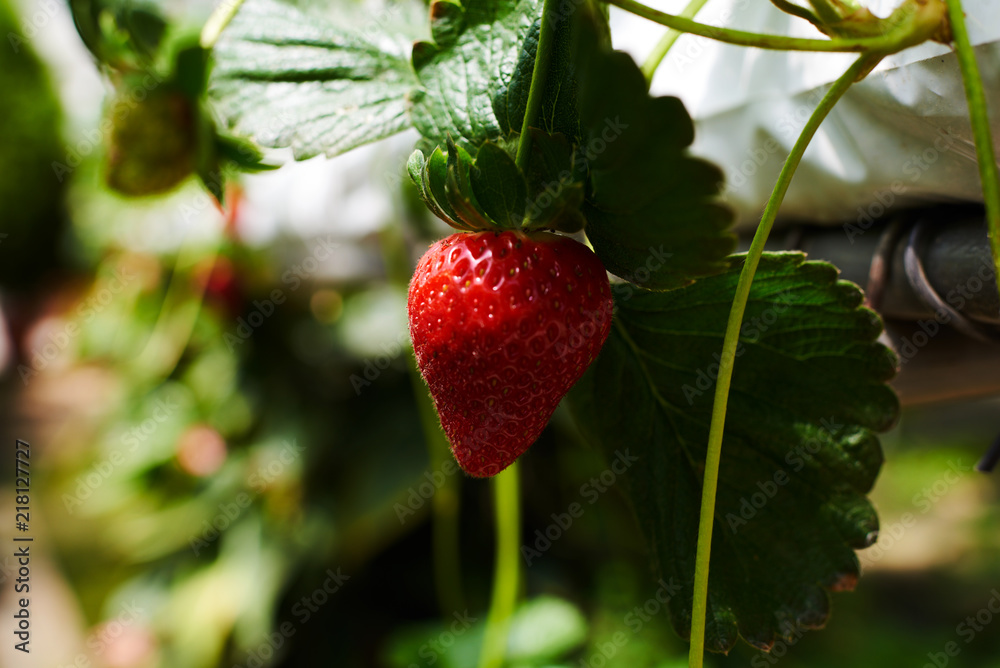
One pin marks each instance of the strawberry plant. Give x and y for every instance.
(529, 120)
(729, 376)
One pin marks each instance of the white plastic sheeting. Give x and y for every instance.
(900, 137)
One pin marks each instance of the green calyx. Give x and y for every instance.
(490, 192)
(522, 165)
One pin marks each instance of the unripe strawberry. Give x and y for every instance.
(153, 143)
(503, 324)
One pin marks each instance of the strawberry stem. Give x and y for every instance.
(217, 22)
(906, 34)
(507, 571)
(790, 7)
(445, 502)
(178, 317)
(659, 51)
(979, 117)
(832, 12)
(713, 455)
(538, 76)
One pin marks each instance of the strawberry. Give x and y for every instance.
(153, 142)
(503, 324)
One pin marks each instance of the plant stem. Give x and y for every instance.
(659, 51)
(830, 12)
(979, 117)
(888, 43)
(506, 575)
(445, 503)
(178, 316)
(714, 451)
(538, 76)
(217, 22)
(795, 10)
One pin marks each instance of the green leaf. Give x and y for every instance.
(544, 629)
(475, 50)
(499, 186)
(123, 34)
(242, 154)
(799, 451)
(648, 197)
(285, 78)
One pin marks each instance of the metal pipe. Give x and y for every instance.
(943, 316)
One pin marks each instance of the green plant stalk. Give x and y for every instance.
(445, 506)
(217, 22)
(507, 571)
(445, 503)
(830, 12)
(177, 319)
(659, 51)
(979, 117)
(790, 7)
(539, 74)
(714, 451)
(889, 43)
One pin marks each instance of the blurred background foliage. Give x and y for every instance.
(32, 117)
(230, 464)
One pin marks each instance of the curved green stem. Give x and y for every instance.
(178, 316)
(795, 10)
(445, 504)
(889, 43)
(217, 22)
(831, 12)
(538, 76)
(979, 117)
(714, 452)
(507, 572)
(659, 51)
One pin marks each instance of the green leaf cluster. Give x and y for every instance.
(491, 192)
(159, 132)
(605, 156)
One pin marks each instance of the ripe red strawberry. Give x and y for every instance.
(503, 324)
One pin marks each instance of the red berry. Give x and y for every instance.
(503, 324)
